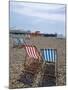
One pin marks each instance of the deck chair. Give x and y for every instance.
(18, 42)
(32, 66)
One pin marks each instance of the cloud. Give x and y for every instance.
(38, 5)
(42, 11)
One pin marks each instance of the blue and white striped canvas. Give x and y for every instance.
(18, 41)
(49, 54)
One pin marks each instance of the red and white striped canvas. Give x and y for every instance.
(32, 51)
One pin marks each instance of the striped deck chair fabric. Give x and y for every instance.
(32, 52)
(49, 54)
(18, 41)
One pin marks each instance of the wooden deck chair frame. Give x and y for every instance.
(40, 73)
(36, 80)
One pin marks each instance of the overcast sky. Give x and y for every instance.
(47, 18)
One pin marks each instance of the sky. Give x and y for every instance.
(46, 18)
